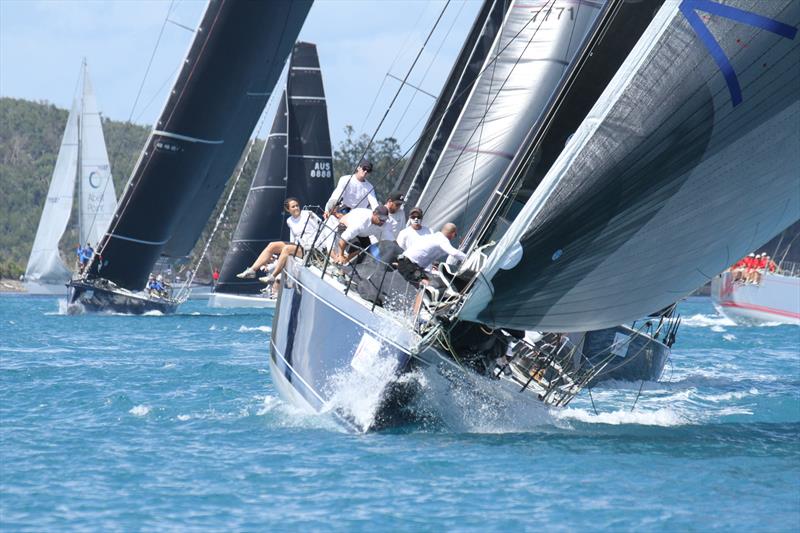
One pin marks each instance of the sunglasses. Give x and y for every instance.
(366, 170)
(416, 220)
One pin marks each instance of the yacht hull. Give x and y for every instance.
(326, 346)
(86, 297)
(637, 356)
(225, 299)
(775, 300)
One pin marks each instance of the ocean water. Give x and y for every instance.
(172, 423)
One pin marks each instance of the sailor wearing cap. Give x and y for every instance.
(359, 225)
(352, 191)
(397, 217)
(414, 231)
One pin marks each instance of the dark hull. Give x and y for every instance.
(638, 356)
(88, 298)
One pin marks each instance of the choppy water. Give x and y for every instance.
(171, 422)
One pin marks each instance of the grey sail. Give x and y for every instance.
(451, 100)
(230, 70)
(689, 159)
(296, 162)
(529, 56)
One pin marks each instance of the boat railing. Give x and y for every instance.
(553, 366)
(789, 268)
(368, 278)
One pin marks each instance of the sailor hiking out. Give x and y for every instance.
(303, 227)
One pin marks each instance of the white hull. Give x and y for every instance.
(221, 299)
(775, 299)
(46, 289)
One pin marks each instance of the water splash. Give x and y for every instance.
(247, 329)
(140, 410)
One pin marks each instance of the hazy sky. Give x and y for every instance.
(359, 41)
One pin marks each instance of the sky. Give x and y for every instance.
(42, 43)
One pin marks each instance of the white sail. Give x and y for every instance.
(97, 196)
(529, 57)
(681, 167)
(45, 264)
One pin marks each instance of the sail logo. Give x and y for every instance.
(689, 9)
(322, 169)
(92, 176)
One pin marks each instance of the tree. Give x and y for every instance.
(384, 154)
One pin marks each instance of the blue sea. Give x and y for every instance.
(154, 423)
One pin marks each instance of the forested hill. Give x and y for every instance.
(30, 135)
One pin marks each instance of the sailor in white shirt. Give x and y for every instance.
(414, 231)
(360, 224)
(352, 191)
(397, 217)
(425, 250)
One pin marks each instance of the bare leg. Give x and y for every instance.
(287, 252)
(273, 248)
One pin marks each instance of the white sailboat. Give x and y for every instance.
(82, 159)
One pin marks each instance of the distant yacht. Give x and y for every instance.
(82, 159)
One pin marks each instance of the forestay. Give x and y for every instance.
(689, 159)
(232, 66)
(528, 59)
(296, 161)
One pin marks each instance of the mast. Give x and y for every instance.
(79, 166)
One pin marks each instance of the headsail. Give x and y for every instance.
(45, 262)
(98, 199)
(296, 161)
(231, 68)
(530, 55)
(688, 160)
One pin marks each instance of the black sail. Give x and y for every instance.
(230, 70)
(451, 99)
(296, 161)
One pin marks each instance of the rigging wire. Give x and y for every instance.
(427, 70)
(152, 56)
(391, 66)
(394, 99)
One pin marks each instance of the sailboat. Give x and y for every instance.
(83, 161)
(296, 162)
(230, 70)
(626, 193)
(773, 296)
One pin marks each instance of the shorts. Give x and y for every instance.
(359, 244)
(411, 272)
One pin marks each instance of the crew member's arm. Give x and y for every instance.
(455, 252)
(335, 195)
(373, 201)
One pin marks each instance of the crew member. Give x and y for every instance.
(413, 263)
(415, 229)
(352, 191)
(359, 225)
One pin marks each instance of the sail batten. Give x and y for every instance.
(667, 181)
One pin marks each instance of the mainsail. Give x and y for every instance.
(529, 57)
(230, 70)
(296, 161)
(82, 156)
(689, 159)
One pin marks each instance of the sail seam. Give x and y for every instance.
(298, 156)
(267, 187)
